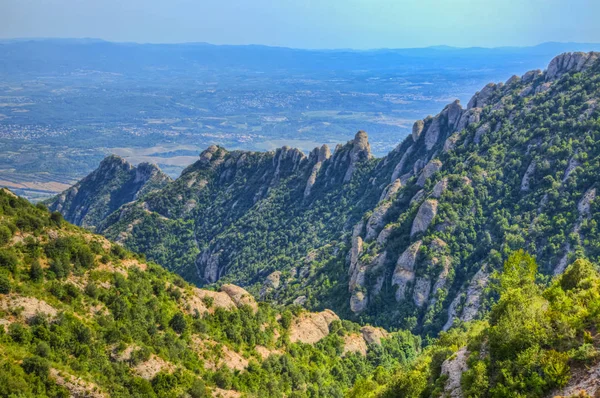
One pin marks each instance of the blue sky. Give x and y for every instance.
(359, 24)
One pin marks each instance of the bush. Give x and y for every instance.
(36, 273)
(19, 333)
(178, 323)
(8, 260)
(5, 234)
(36, 365)
(198, 389)
(4, 284)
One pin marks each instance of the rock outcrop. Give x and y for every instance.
(404, 272)
(570, 62)
(424, 217)
(417, 130)
(319, 155)
(453, 368)
(361, 150)
(309, 328)
(114, 183)
(430, 169)
(373, 335)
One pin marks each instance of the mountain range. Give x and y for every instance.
(473, 243)
(408, 240)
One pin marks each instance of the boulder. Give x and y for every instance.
(310, 327)
(391, 190)
(361, 150)
(376, 221)
(439, 188)
(373, 335)
(453, 368)
(430, 169)
(240, 296)
(421, 291)
(417, 129)
(405, 269)
(424, 217)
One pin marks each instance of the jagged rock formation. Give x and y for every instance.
(453, 368)
(425, 215)
(484, 180)
(114, 183)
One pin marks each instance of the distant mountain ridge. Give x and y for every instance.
(407, 240)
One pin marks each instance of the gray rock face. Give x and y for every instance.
(391, 190)
(405, 269)
(474, 294)
(439, 188)
(525, 182)
(418, 196)
(430, 169)
(433, 133)
(358, 302)
(400, 166)
(468, 117)
(354, 270)
(425, 216)
(209, 263)
(583, 207)
(384, 235)
(376, 221)
(530, 76)
(450, 142)
(455, 112)
(417, 130)
(321, 155)
(481, 98)
(570, 62)
(421, 291)
(361, 150)
(480, 132)
(573, 164)
(453, 368)
(272, 282)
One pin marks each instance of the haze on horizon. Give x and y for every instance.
(358, 24)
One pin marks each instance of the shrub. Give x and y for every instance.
(5, 234)
(178, 323)
(4, 284)
(8, 260)
(36, 365)
(35, 271)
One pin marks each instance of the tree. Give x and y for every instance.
(178, 323)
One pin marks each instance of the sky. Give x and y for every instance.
(358, 24)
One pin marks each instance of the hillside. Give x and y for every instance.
(113, 184)
(408, 240)
(80, 316)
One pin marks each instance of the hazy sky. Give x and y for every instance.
(308, 23)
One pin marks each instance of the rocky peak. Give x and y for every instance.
(360, 150)
(570, 62)
(113, 163)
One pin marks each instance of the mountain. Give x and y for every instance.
(113, 184)
(80, 316)
(408, 240)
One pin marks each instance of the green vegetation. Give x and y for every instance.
(517, 170)
(533, 338)
(79, 312)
